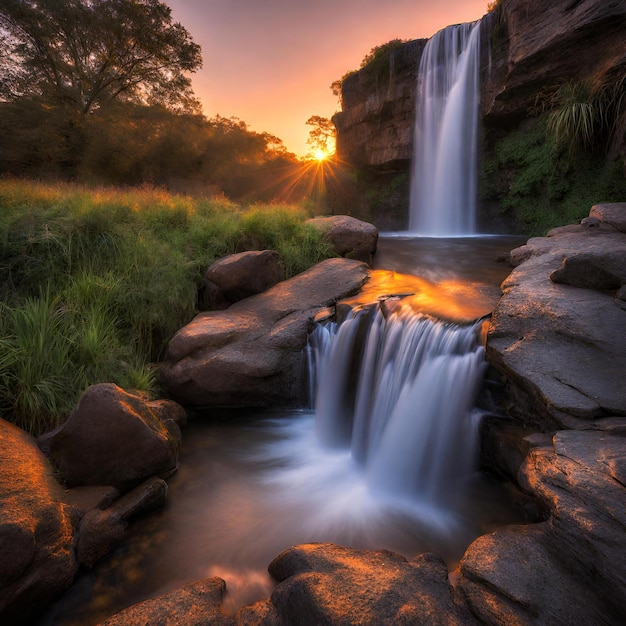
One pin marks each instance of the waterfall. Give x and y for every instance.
(443, 184)
(399, 395)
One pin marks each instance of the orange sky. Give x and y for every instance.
(271, 62)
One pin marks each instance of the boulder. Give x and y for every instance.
(251, 354)
(196, 604)
(113, 437)
(238, 276)
(36, 529)
(332, 584)
(562, 348)
(348, 236)
(613, 214)
(570, 569)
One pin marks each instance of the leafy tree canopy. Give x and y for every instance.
(87, 53)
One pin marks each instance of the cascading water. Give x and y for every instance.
(443, 184)
(407, 414)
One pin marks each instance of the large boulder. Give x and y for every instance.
(238, 276)
(559, 334)
(113, 437)
(36, 529)
(332, 584)
(570, 569)
(251, 354)
(348, 236)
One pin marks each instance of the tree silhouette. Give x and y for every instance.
(87, 53)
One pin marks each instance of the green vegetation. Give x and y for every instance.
(541, 184)
(93, 283)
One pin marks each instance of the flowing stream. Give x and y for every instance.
(443, 185)
(252, 484)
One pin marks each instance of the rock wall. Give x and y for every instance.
(528, 48)
(375, 127)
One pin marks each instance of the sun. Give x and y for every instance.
(319, 154)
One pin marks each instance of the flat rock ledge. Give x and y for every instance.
(251, 353)
(558, 334)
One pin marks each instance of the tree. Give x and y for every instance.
(322, 135)
(88, 53)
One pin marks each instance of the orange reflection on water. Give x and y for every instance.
(450, 300)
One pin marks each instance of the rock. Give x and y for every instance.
(195, 604)
(511, 576)
(375, 125)
(112, 438)
(538, 326)
(251, 354)
(36, 529)
(349, 237)
(330, 584)
(262, 613)
(613, 214)
(101, 531)
(546, 43)
(238, 276)
(592, 271)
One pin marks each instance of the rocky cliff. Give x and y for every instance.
(528, 49)
(375, 126)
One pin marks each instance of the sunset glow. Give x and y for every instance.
(320, 155)
(247, 74)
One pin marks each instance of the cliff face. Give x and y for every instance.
(528, 47)
(537, 45)
(375, 127)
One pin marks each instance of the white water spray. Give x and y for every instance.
(406, 416)
(443, 184)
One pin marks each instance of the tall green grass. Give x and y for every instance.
(94, 282)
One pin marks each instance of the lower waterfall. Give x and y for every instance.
(398, 392)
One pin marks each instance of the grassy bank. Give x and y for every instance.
(93, 283)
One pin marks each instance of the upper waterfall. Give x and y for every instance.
(443, 184)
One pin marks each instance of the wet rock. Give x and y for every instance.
(562, 349)
(331, 584)
(251, 354)
(348, 236)
(113, 438)
(196, 604)
(238, 276)
(36, 529)
(103, 530)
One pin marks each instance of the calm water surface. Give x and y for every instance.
(251, 485)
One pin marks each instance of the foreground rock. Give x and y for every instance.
(36, 529)
(559, 332)
(348, 236)
(115, 438)
(570, 569)
(196, 604)
(251, 354)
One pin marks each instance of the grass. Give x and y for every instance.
(94, 282)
